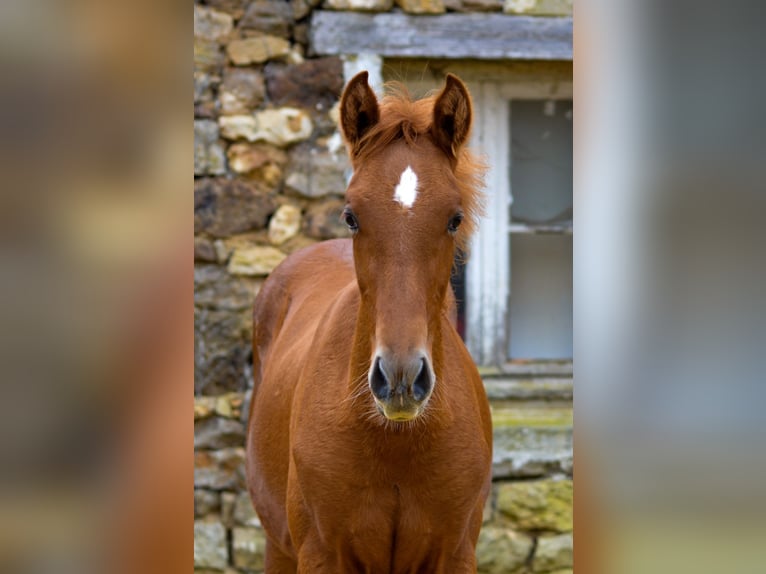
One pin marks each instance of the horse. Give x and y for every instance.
(369, 441)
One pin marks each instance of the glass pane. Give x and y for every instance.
(541, 161)
(541, 297)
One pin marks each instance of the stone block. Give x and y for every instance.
(241, 91)
(553, 553)
(313, 84)
(538, 7)
(222, 350)
(218, 432)
(209, 157)
(255, 260)
(234, 7)
(211, 24)
(271, 17)
(280, 127)
(206, 502)
(540, 505)
(224, 207)
(264, 159)
(204, 250)
(257, 49)
(284, 224)
(422, 6)
(501, 551)
(210, 549)
(208, 56)
(214, 288)
(248, 548)
(314, 172)
(220, 469)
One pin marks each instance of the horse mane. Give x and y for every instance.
(401, 117)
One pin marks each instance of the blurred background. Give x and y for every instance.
(658, 295)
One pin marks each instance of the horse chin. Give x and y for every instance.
(397, 414)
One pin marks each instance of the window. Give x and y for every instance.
(540, 312)
(516, 289)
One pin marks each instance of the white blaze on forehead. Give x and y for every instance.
(407, 189)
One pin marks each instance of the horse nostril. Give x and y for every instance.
(378, 382)
(422, 384)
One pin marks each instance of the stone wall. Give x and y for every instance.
(270, 171)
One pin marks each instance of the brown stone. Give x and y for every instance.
(234, 7)
(242, 90)
(314, 84)
(245, 157)
(212, 24)
(222, 350)
(220, 469)
(208, 56)
(323, 220)
(301, 34)
(422, 6)
(257, 260)
(272, 17)
(257, 49)
(223, 207)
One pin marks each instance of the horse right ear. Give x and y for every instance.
(358, 111)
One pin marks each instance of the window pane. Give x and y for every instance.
(541, 161)
(541, 297)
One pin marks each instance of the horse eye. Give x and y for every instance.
(455, 222)
(350, 219)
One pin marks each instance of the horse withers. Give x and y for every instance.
(370, 439)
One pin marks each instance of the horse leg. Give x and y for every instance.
(277, 562)
(314, 559)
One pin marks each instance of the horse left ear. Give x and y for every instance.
(358, 111)
(452, 116)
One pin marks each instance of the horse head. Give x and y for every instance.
(412, 201)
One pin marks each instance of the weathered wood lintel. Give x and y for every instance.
(472, 36)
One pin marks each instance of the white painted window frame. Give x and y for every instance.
(488, 271)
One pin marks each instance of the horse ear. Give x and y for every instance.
(452, 116)
(358, 110)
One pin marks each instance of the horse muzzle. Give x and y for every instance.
(401, 386)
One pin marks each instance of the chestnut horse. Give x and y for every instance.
(370, 440)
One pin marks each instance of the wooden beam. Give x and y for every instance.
(475, 36)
